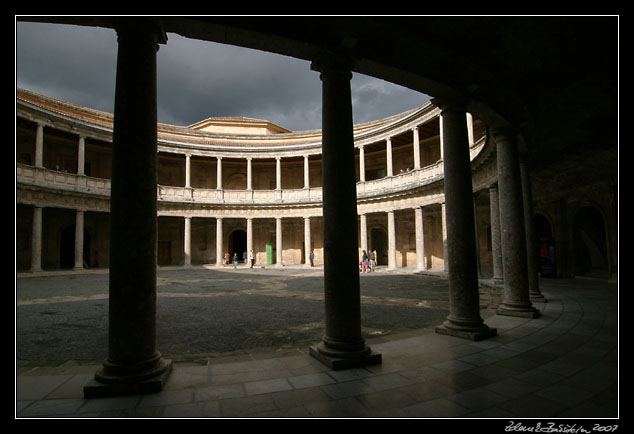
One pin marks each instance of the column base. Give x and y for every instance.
(477, 334)
(539, 297)
(107, 385)
(522, 312)
(337, 360)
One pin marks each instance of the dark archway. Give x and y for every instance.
(545, 241)
(238, 243)
(589, 243)
(67, 247)
(379, 243)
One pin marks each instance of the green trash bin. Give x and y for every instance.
(269, 253)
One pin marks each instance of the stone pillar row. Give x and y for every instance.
(135, 366)
(420, 244)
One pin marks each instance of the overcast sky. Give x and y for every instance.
(196, 79)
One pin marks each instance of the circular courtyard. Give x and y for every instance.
(205, 312)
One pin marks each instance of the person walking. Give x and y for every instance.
(251, 258)
(235, 261)
(364, 262)
(312, 258)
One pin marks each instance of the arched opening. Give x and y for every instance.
(238, 244)
(545, 247)
(379, 244)
(67, 247)
(589, 243)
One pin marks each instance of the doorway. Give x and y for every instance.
(67, 248)
(378, 238)
(238, 244)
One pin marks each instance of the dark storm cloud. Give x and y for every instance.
(196, 79)
(67, 62)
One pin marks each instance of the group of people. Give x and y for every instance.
(234, 260)
(368, 262)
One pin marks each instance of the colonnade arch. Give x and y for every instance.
(590, 242)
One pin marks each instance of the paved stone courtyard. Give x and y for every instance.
(239, 338)
(206, 312)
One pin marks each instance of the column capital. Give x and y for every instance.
(330, 62)
(505, 133)
(451, 103)
(125, 26)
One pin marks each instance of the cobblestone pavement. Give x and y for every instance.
(205, 312)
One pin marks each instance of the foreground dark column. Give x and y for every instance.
(516, 299)
(133, 365)
(342, 346)
(464, 299)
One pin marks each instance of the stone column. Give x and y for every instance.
(496, 244)
(388, 151)
(420, 238)
(81, 156)
(39, 145)
(516, 300)
(188, 241)
(362, 164)
(278, 173)
(219, 252)
(306, 172)
(391, 241)
(531, 238)
(79, 240)
(464, 300)
(134, 365)
(278, 242)
(470, 128)
(219, 174)
(249, 236)
(187, 171)
(36, 240)
(477, 236)
(443, 222)
(363, 220)
(249, 174)
(342, 345)
(442, 136)
(416, 148)
(307, 241)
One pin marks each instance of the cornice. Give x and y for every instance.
(174, 139)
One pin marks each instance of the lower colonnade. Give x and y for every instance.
(459, 207)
